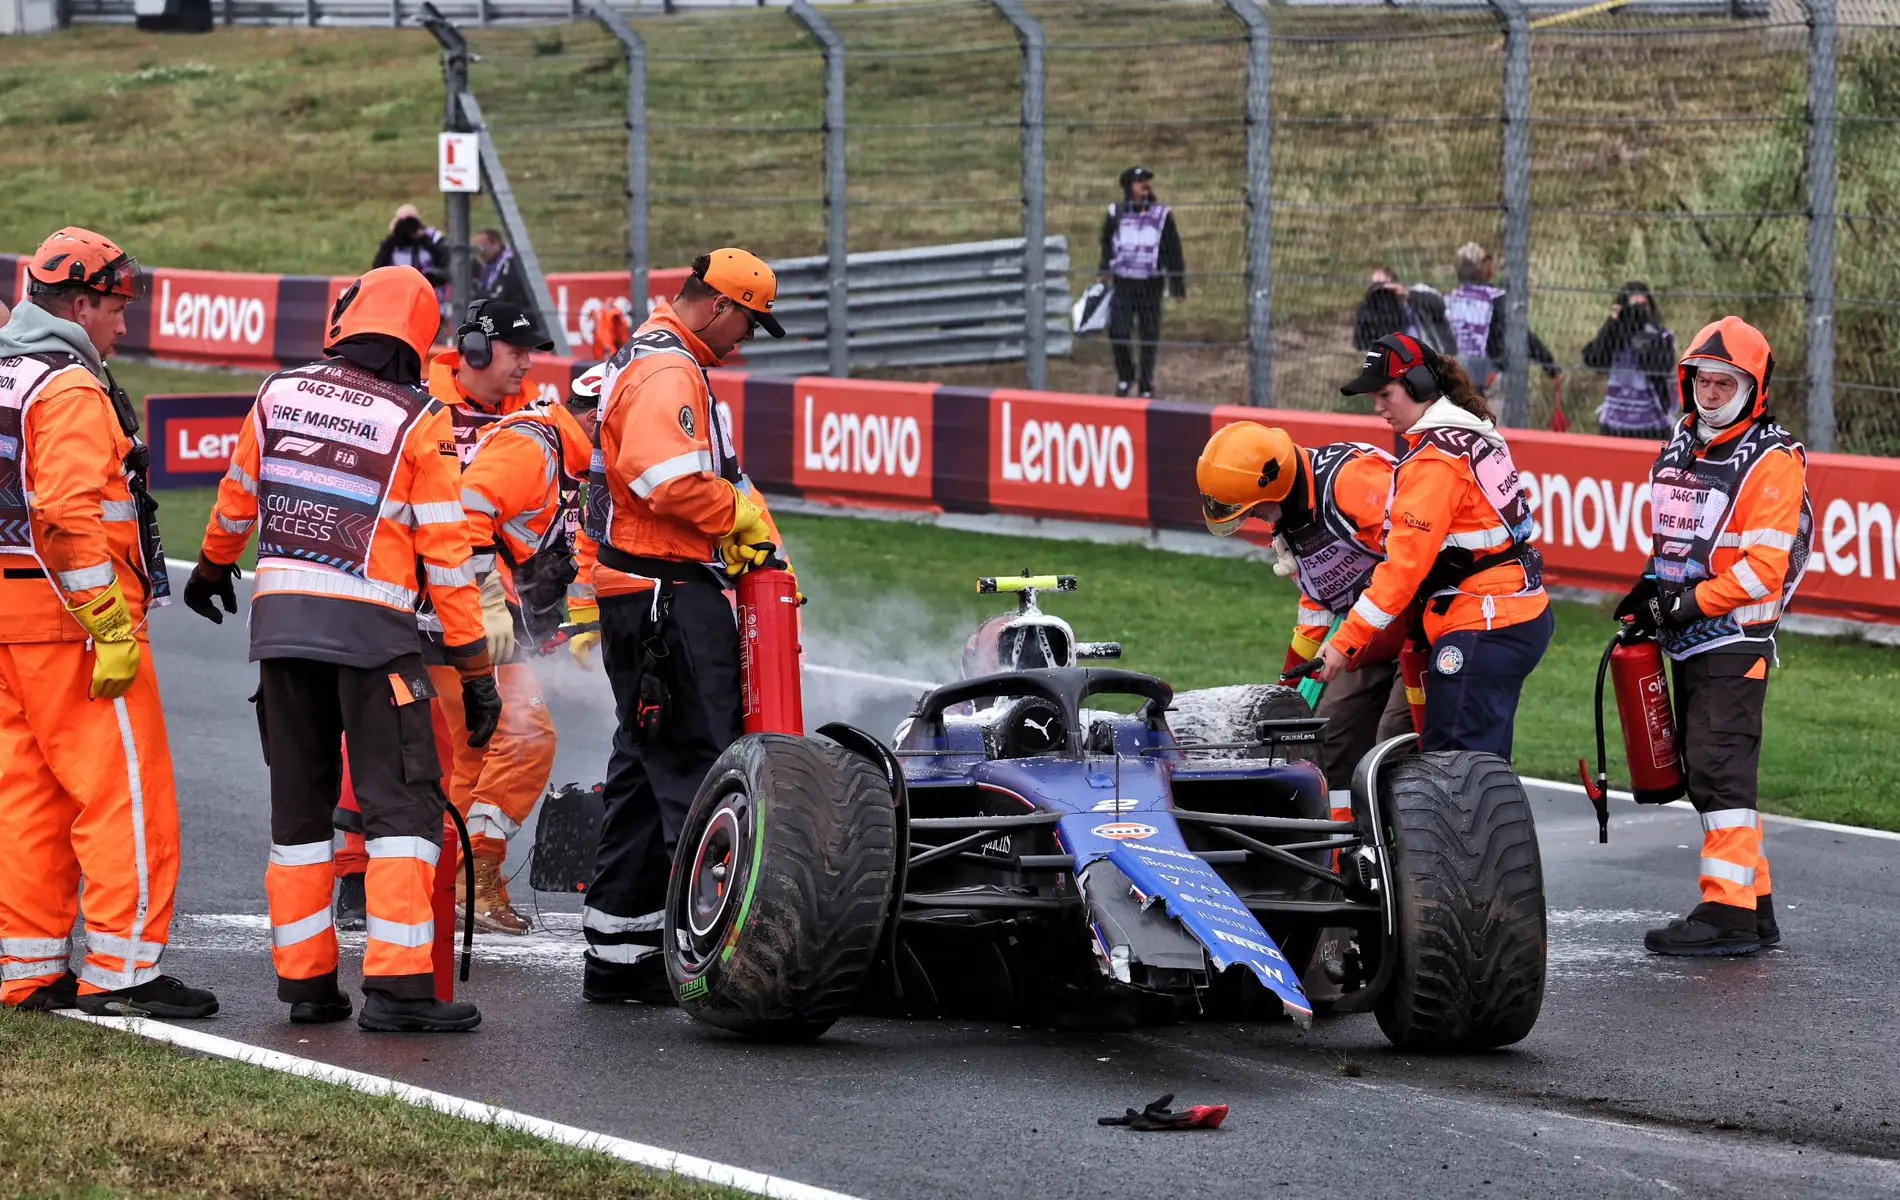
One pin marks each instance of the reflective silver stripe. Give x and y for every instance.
(398, 934)
(229, 526)
(491, 821)
(1755, 614)
(291, 933)
(1479, 541)
(1731, 818)
(301, 854)
(32, 498)
(87, 577)
(580, 593)
(118, 947)
(1371, 613)
(113, 981)
(449, 577)
(621, 953)
(40, 969)
(518, 528)
(440, 512)
(604, 922)
(35, 947)
(401, 514)
(242, 478)
(474, 501)
(1751, 582)
(119, 510)
(1716, 868)
(404, 847)
(1774, 539)
(135, 786)
(321, 581)
(673, 468)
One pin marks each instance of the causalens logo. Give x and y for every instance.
(218, 318)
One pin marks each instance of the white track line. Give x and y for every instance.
(641, 1155)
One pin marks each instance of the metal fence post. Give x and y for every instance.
(1035, 198)
(1821, 222)
(455, 80)
(310, 13)
(837, 312)
(1517, 209)
(395, 13)
(1259, 200)
(639, 259)
(495, 181)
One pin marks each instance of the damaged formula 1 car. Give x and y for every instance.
(1041, 841)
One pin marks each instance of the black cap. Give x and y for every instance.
(505, 322)
(1391, 359)
(1134, 175)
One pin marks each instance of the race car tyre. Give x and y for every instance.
(780, 886)
(1468, 883)
(1226, 715)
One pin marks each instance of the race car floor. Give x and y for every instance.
(1766, 1076)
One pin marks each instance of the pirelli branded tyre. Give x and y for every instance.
(1469, 889)
(780, 885)
(1228, 715)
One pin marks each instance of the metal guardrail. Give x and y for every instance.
(928, 307)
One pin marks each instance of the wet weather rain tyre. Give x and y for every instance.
(1225, 715)
(780, 886)
(1469, 888)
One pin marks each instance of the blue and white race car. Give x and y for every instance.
(1038, 843)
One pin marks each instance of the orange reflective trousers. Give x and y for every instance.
(85, 790)
(497, 786)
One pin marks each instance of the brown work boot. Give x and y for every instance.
(493, 913)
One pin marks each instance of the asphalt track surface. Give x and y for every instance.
(1774, 1075)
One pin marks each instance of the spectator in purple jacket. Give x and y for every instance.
(1141, 253)
(1638, 352)
(1476, 309)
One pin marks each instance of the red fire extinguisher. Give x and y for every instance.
(1633, 661)
(769, 652)
(1412, 660)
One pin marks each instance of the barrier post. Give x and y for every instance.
(639, 257)
(455, 82)
(1259, 200)
(837, 310)
(1821, 173)
(1517, 209)
(1035, 197)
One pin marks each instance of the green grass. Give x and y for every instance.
(88, 1112)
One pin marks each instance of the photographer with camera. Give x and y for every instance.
(1390, 307)
(1639, 353)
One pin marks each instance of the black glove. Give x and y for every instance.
(1159, 1116)
(481, 708)
(1679, 608)
(1642, 607)
(211, 581)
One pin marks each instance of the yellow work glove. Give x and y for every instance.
(582, 645)
(115, 642)
(751, 542)
(497, 622)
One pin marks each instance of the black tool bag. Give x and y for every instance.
(566, 838)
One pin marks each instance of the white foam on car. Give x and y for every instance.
(653, 1158)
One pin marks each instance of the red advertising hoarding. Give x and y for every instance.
(1069, 456)
(860, 437)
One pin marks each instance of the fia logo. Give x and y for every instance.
(344, 458)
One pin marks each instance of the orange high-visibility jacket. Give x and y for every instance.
(1349, 495)
(669, 487)
(349, 508)
(515, 487)
(69, 526)
(1438, 503)
(472, 423)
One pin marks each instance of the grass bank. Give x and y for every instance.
(90, 1112)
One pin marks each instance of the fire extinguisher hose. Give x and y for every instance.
(468, 884)
(1599, 792)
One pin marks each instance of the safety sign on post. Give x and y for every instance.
(458, 162)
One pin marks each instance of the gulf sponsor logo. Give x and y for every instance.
(1124, 831)
(210, 313)
(852, 436)
(1058, 455)
(200, 445)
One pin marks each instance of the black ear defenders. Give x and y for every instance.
(1418, 378)
(472, 338)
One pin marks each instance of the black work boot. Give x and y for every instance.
(1709, 930)
(352, 903)
(162, 997)
(1765, 927)
(1124, 387)
(322, 1011)
(643, 982)
(383, 1013)
(61, 993)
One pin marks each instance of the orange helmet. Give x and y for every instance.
(80, 256)
(395, 302)
(1244, 466)
(1735, 342)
